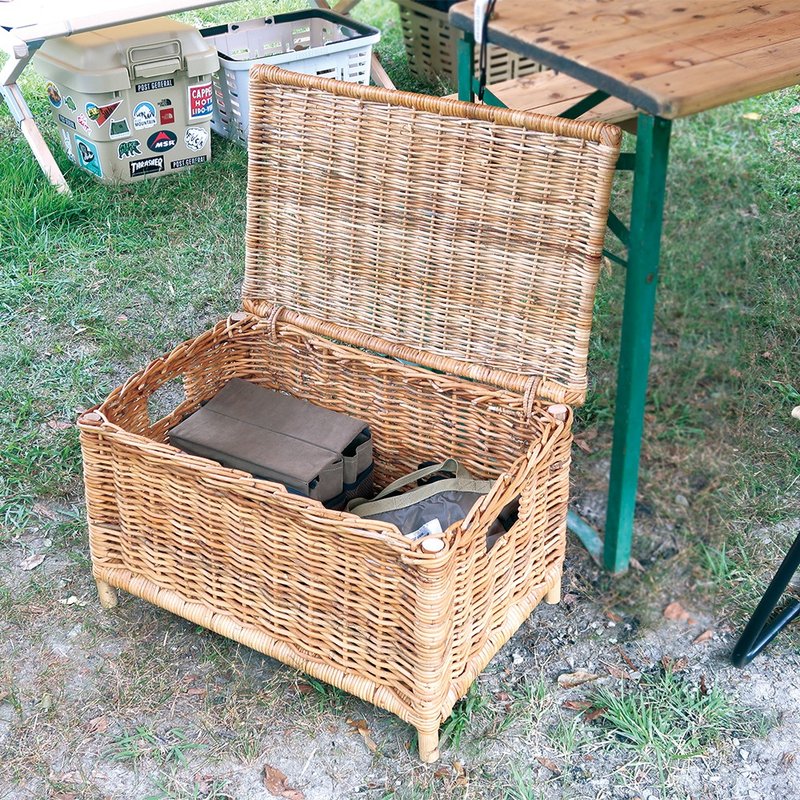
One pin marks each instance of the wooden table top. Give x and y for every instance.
(667, 57)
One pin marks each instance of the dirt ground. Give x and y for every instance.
(135, 703)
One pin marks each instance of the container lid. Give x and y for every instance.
(113, 59)
(461, 237)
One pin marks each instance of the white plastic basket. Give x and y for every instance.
(314, 42)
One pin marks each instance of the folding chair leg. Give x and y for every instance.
(759, 631)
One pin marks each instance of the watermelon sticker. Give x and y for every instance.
(101, 114)
(201, 100)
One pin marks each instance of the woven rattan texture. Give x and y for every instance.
(463, 231)
(343, 598)
(427, 266)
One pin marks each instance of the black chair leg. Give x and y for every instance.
(759, 632)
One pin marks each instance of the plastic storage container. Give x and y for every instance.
(431, 45)
(314, 42)
(444, 299)
(133, 101)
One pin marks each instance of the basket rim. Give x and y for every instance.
(598, 132)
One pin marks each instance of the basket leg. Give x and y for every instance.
(107, 594)
(428, 745)
(554, 595)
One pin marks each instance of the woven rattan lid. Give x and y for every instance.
(463, 237)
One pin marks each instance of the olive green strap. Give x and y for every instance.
(448, 465)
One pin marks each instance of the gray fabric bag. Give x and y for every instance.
(432, 507)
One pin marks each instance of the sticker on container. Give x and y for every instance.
(129, 148)
(166, 116)
(201, 100)
(101, 114)
(161, 141)
(144, 116)
(84, 123)
(163, 83)
(67, 140)
(188, 162)
(118, 128)
(195, 138)
(53, 94)
(70, 103)
(146, 166)
(164, 102)
(66, 121)
(88, 157)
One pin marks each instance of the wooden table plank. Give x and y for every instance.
(669, 58)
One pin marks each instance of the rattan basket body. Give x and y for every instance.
(444, 295)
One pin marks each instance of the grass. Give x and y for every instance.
(667, 718)
(95, 284)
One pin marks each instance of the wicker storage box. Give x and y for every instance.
(431, 43)
(444, 295)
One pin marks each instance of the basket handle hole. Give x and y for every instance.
(164, 400)
(503, 523)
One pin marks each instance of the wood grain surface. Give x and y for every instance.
(668, 58)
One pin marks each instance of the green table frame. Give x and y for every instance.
(642, 238)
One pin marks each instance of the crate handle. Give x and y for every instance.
(162, 58)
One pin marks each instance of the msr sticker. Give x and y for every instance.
(195, 138)
(164, 83)
(101, 114)
(84, 123)
(70, 103)
(53, 94)
(67, 140)
(147, 166)
(188, 162)
(166, 116)
(161, 141)
(144, 116)
(128, 149)
(88, 157)
(201, 100)
(118, 128)
(66, 121)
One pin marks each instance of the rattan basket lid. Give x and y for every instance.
(463, 237)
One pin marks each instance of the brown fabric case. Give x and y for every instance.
(311, 450)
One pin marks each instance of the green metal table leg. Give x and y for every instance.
(466, 61)
(647, 209)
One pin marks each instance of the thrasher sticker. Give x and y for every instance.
(146, 166)
(67, 140)
(53, 94)
(118, 128)
(195, 138)
(188, 162)
(129, 148)
(166, 116)
(66, 121)
(101, 114)
(164, 83)
(84, 123)
(144, 116)
(88, 157)
(70, 103)
(161, 141)
(201, 100)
